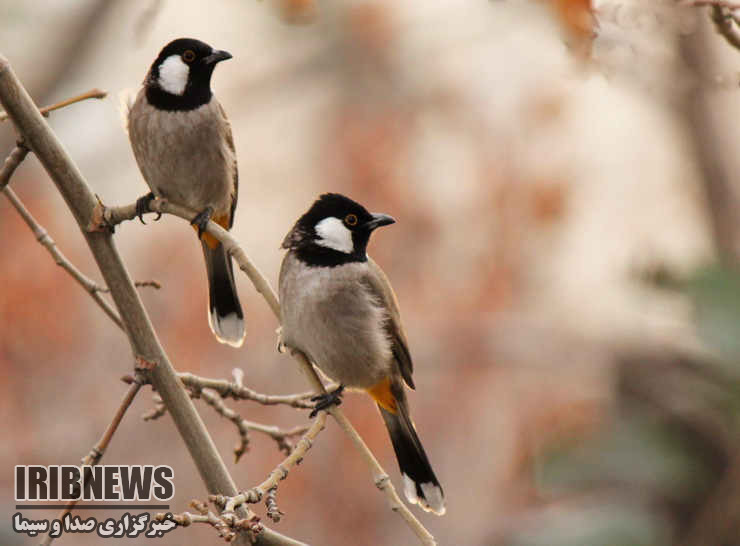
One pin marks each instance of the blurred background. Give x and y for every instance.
(563, 176)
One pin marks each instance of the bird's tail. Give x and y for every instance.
(224, 311)
(420, 485)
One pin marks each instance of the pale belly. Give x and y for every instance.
(338, 327)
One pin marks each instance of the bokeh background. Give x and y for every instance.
(564, 257)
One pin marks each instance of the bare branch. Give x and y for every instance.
(273, 512)
(15, 158)
(111, 216)
(96, 453)
(42, 236)
(144, 343)
(716, 3)
(226, 527)
(726, 26)
(158, 411)
(280, 472)
(243, 426)
(92, 94)
(138, 284)
(228, 389)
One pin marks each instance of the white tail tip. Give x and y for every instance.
(432, 499)
(229, 329)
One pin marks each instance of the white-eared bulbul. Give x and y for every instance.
(182, 142)
(338, 307)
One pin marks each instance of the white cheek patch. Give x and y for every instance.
(333, 234)
(173, 75)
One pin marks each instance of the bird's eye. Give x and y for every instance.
(350, 220)
(188, 56)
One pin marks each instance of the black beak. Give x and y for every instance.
(217, 56)
(379, 220)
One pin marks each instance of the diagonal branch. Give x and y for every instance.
(96, 453)
(111, 216)
(145, 346)
(726, 26)
(42, 236)
(280, 472)
(15, 158)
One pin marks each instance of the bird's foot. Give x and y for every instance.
(324, 401)
(201, 220)
(142, 207)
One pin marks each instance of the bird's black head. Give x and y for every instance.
(334, 231)
(180, 77)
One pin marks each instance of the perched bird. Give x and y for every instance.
(182, 142)
(338, 308)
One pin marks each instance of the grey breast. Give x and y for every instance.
(329, 314)
(184, 156)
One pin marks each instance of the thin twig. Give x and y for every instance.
(273, 512)
(280, 472)
(226, 527)
(229, 389)
(138, 284)
(92, 94)
(725, 25)
(715, 3)
(96, 453)
(157, 411)
(105, 217)
(14, 159)
(42, 236)
(244, 426)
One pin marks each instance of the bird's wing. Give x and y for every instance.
(229, 139)
(126, 99)
(380, 287)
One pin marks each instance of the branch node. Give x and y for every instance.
(273, 512)
(382, 481)
(143, 365)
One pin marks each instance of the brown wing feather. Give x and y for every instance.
(380, 287)
(229, 138)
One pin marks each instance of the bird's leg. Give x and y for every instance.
(201, 220)
(142, 207)
(324, 401)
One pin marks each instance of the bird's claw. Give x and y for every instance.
(326, 400)
(142, 207)
(201, 220)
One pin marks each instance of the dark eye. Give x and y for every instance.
(350, 220)
(188, 56)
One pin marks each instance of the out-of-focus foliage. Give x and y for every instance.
(664, 469)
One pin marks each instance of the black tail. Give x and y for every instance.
(420, 485)
(225, 312)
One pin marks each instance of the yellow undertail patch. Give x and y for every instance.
(211, 241)
(381, 393)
